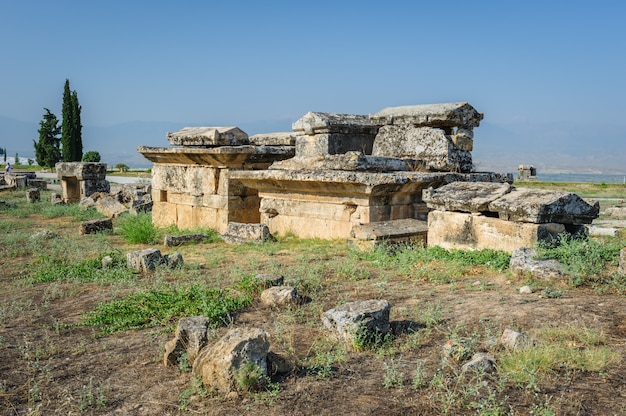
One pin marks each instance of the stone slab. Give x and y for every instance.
(316, 123)
(459, 114)
(319, 145)
(223, 156)
(465, 196)
(431, 147)
(81, 170)
(208, 136)
(274, 139)
(542, 206)
(464, 231)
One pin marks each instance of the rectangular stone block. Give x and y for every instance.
(465, 231)
(333, 144)
(208, 136)
(311, 228)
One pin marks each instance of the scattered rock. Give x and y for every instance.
(622, 261)
(523, 261)
(174, 260)
(144, 260)
(241, 350)
(481, 362)
(95, 226)
(237, 232)
(356, 319)
(268, 280)
(33, 195)
(44, 235)
(107, 262)
(110, 207)
(525, 290)
(190, 338)
(514, 340)
(280, 296)
(178, 240)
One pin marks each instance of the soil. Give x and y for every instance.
(49, 367)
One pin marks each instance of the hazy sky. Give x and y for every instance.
(225, 62)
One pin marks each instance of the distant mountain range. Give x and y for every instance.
(551, 148)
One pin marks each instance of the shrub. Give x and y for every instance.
(138, 229)
(91, 156)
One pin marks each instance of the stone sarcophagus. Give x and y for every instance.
(191, 184)
(81, 179)
(351, 170)
(499, 216)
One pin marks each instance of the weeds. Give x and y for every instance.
(138, 229)
(159, 307)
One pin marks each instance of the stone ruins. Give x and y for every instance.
(81, 179)
(345, 176)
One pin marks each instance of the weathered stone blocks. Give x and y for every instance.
(218, 363)
(208, 136)
(354, 320)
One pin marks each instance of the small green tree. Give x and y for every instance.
(91, 156)
(16, 160)
(71, 128)
(122, 167)
(47, 150)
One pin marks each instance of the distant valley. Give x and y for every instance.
(550, 147)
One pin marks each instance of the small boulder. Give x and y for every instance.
(355, 319)
(95, 226)
(280, 296)
(144, 260)
(525, 290)
(268, 280)
(523, 261)
(174, 260)
(190, 338)
(513, 340)
(622, 261)
(237, 232)
(481, 362)
(240, 350)
(33, 195)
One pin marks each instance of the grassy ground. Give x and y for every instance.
(79, 339)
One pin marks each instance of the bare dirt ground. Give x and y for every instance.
(50, 367)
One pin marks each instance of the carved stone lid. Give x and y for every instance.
(208, 136)
(459, 114)
(319, 123)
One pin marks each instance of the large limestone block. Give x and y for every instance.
(431, 148)
(274, 139)
(464, 231)
(465, 196)
(144, 260)
(542, 206)
(359, 319)
(110, 207)
(316, 123)
(217, 364)
(320, 145)
(459, 114)
(81, 170)
(208, 136)
(524, 261)
(404, 230)
(194, 180)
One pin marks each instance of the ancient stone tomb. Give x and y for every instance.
(330, 178)
(191, 187)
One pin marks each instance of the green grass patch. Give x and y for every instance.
(557, 349)
(159, 307)
(49, 269)
(138, 229)
(584, 260)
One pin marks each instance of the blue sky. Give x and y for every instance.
(233, 62)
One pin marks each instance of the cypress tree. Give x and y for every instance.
(66, 126)
(71, 128)
(77, 140)
(47, 150)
